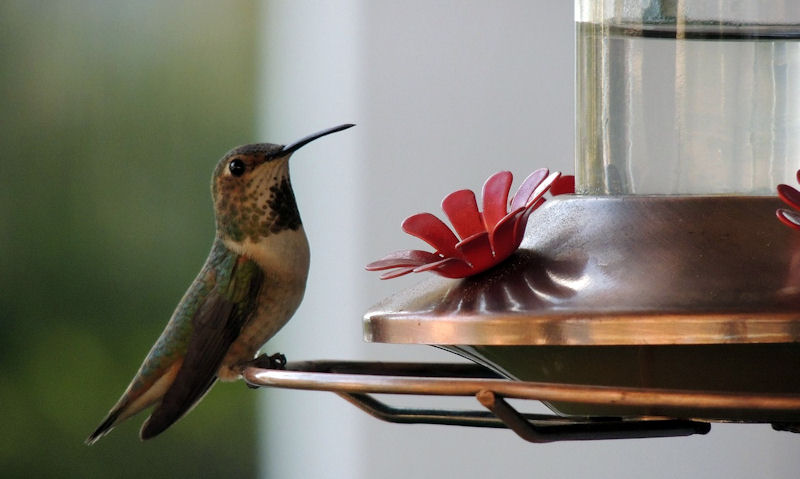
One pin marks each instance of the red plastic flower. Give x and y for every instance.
(791, 197)
(484, 238)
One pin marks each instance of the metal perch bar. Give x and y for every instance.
(407, 378)
(354, 381)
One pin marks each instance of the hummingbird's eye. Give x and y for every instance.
(236, 167)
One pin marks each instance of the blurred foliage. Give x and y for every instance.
(113, 115)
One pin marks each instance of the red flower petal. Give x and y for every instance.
(526, 188)
(477, 250)
(462, 211)
(503, 238)
(404, 258)
(789, 195)
(789, 218)
(396, 273)
(433, 231)
(495, 198)
(541, 189)
(448, 267)
(563, 185)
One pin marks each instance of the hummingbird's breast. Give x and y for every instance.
(284, 259)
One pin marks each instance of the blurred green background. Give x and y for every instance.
(113, 115)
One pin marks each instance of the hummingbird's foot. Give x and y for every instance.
(276, 361)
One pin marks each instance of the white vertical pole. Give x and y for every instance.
(308, 81)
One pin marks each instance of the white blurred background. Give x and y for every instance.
(444, 94)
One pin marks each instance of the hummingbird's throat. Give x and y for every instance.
(264, 206)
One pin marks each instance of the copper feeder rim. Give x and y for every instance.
(618, 270)
(355, 381)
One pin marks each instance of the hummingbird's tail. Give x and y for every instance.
(135, 399)
(175, 404)
(171, 407)
(104, 427)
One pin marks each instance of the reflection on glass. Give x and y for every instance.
(685, 98)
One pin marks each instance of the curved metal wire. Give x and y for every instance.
(356, 381)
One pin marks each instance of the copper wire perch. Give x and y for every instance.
(355, 381)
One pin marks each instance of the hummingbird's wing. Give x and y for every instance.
(215, 326)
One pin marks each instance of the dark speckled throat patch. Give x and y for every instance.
(283, 207)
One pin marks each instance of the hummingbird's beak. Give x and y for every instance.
(289, 149)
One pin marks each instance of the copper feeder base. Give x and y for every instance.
(640, 293)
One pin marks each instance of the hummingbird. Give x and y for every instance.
(249, 287)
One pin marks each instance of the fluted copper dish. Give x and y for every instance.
(692, 293)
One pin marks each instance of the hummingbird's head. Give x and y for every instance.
(253, 195)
